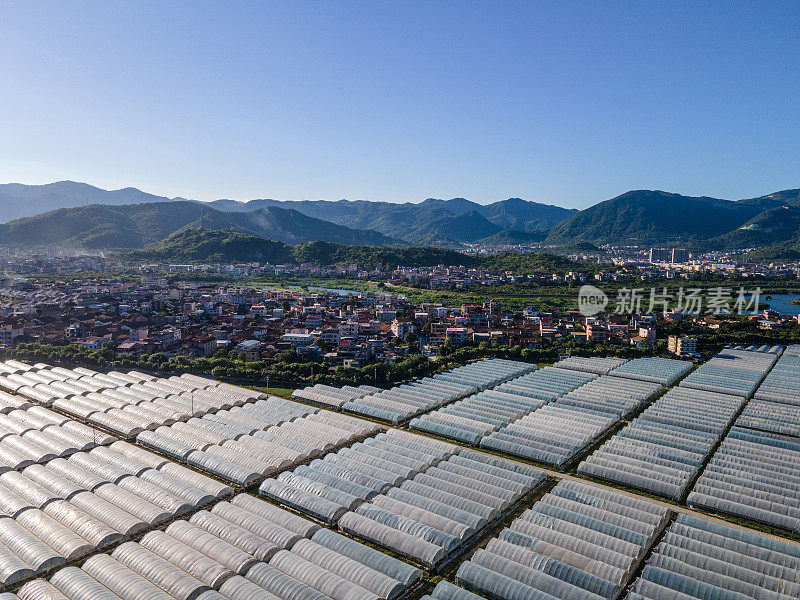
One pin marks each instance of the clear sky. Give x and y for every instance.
(558, 102)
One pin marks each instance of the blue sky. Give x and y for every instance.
(564, 103)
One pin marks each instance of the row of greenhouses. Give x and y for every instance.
(599, 365)
(402, 402)
(242, 550)
(793, 350)
(329, 395)
(475, 417)
(66, 509)
(782, 383)
(416, 496)
(612, 395)
(697, 558)
(553, 434)
(557, 432)
(775, 417)
(664, 371)
(546, 384)
(244, 444)
(437, 513)
(487, 373)
(732, 371)
(755, 475)
(406, 401)
(776, 349)
(124, 403)
(577, 542)
(662, 450)
(328, 487)
(35, 435)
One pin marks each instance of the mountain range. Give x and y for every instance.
(199, 245)
(79, 215)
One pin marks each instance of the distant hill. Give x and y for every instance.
(783, 251)
(385, 217)
(412, 222)
(656, 217)
(465, 227)
(198, 245)
(139, 225)
(512, 237)
(768, 227)
(89, 217)
(19, 200)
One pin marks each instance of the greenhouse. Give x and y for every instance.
(662, 450)
(591, 364)
(245, 550)
(773, 417)
(546, 384)
(755, 475)
(433, 515)
(329, 487)
(665, 371)
(701, 559)
(35, 435)
(733, 371)
(244, 444)
(578, 541)
(554, 434)
(477, 416)
(66, 509)
(783, 381)
(123, 403)
(403, 402)
(333, 396)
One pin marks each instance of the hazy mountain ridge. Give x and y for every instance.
(140, 225)
(129, 218)
(513, 213)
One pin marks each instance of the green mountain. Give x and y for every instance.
(513, 236)
(771, 226)
(197, 245)
(385, 217)
(656, 217)
(89, 217)
(17, 201)
(447, 229)
(139, 225)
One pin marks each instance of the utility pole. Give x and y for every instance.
(267, 386)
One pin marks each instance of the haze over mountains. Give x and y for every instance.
(79, 215)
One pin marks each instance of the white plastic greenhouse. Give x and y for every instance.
(406, 401)
(66, 509)
(755, 475)
(702, 559)
(662, 450)
(245, 444)
(591, 364)
(665, 371)
(732, 371)
(247, 550)
(475, 417)
(578, 541)
(559, 431)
